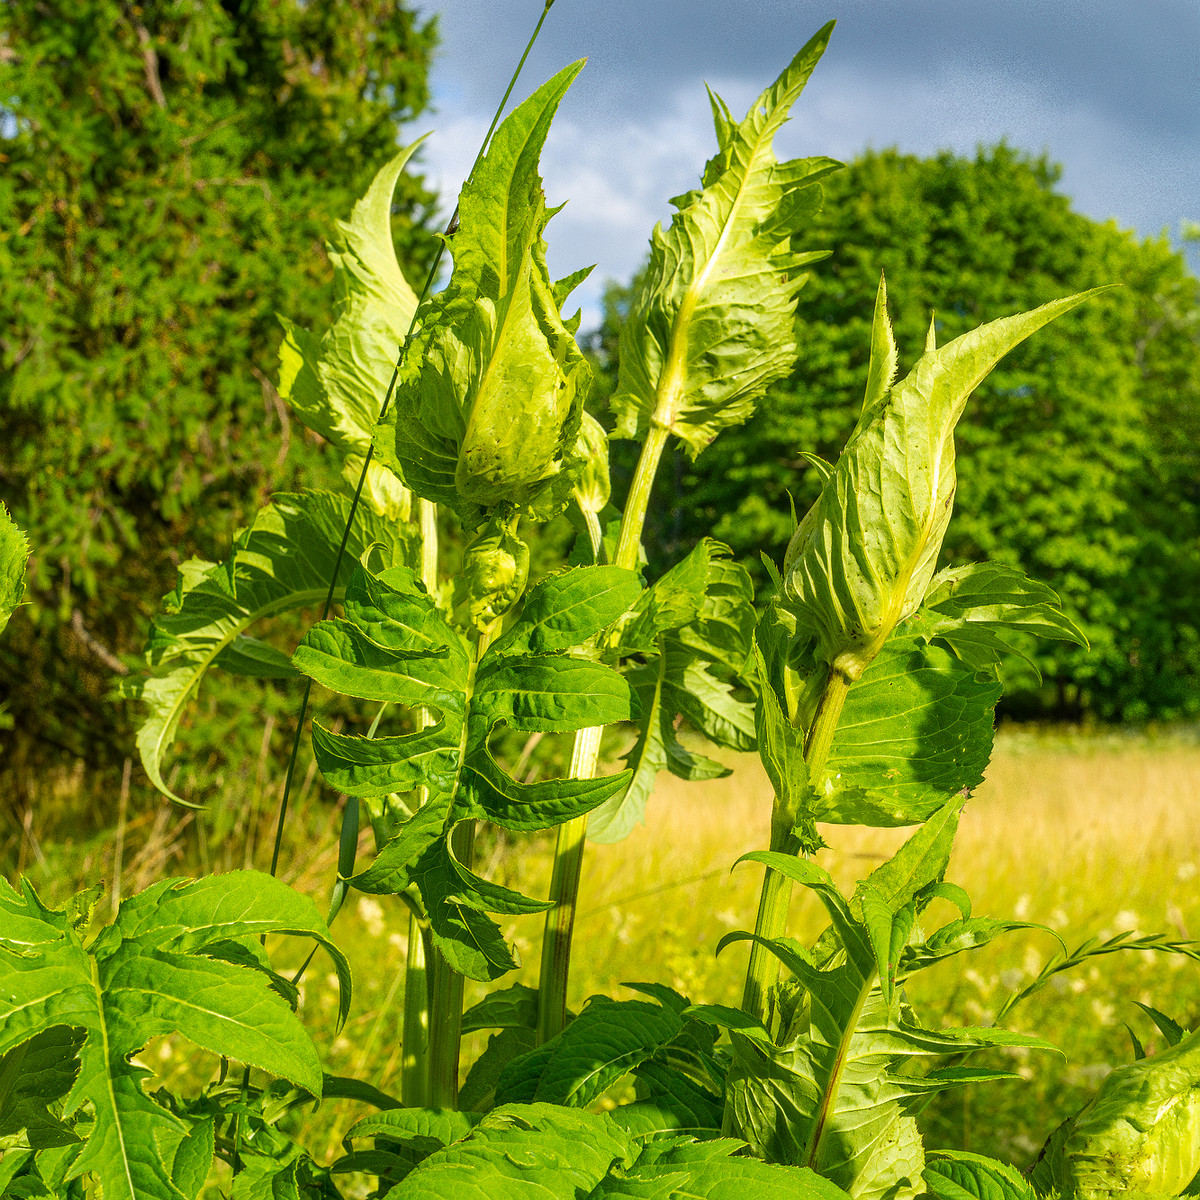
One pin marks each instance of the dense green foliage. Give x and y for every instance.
(170, 174)
(1078, 457)
(867, 685)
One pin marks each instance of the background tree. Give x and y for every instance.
(1079, 457)
(170, 172)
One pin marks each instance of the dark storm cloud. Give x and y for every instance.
(1137, 60)
(1106, 87)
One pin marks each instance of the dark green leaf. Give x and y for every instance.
(510, 1008)
(915, 730)
(1171, 1030)
(33, 1077)
(607, 1040)
(549, 694)
(478, 1092)
(567, 609)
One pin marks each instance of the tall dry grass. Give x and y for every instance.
(1075, 833)
(1087, 835)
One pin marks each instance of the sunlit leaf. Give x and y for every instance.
(283, 562)
(393, 644)
(489, 411)
(862, 558)
(712, 321)
(696, 620)
(152, 972)
(336, 383)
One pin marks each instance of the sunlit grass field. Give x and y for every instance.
(1089, 835)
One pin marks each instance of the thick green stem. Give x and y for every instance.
(446, 984)
(634, 519)
(776, 893)
(564, 887)
(568, 851)
(414, 1063)
(446, 1001)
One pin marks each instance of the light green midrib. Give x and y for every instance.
(830, 1090)
(102, 1027)
(669, 392)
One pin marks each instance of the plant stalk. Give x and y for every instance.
(554, 976)
(564, 886)
(415, 1034)
(401, 356)
(446, 1001)
(414, 1063)
(446, 984)
(776, 893)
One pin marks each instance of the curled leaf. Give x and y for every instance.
(489, 412)
(863, 557)
(336, 383)
(712, 322)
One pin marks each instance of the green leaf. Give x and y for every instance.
(522, 1152)
(607, 1040)
(958, 1175)
(967, 934)
(550, 694)
(712, 323)
(394, 645)
(336, 383)
(709, 1170)
(478, 1092)
(1140, 1134)
(407, 1136)
(495, 333)
(781, 752)
(697, 619)
(513, 1007)
(193, 1158)
(978, 607)
(282, 563)
(1171, 1030)
(863, 557)
(834, 1091)
(14, 553)
(567, 609)
(919, 866)
(915, 730)
(151, 973)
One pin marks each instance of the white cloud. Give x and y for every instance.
(616, 179)
(617, 164)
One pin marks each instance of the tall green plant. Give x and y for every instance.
(868, 686)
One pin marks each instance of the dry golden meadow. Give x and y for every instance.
(1090, 835)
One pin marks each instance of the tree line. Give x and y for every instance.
(1079, 457)
(170, 175)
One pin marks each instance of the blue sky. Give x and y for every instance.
(1108, 88)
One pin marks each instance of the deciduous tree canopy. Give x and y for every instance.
(1078, 456)
(170, 174)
